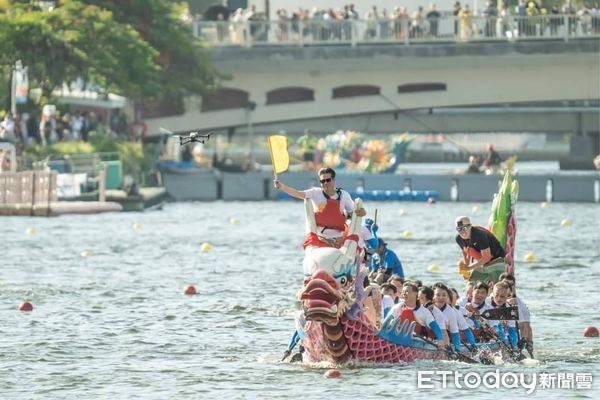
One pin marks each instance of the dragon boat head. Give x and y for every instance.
(330, 274)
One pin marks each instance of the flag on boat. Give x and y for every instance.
(279, 153)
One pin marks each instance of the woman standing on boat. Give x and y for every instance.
(333, 205)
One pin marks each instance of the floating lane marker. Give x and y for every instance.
(332, 373)
(591, 331)
(190, 290)
(433, 268)
(206, 247)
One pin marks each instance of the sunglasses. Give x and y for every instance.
(462, 228)
(325, 180)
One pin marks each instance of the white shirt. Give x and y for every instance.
(439, 317)
(462, 321)
(450, 315)
(463, 301)
(422, 315)
(319, 201)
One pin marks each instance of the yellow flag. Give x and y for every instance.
(279, 153)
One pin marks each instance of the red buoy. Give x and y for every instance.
(189, 290)
(591, 331)
(25, 306)
(333, 373)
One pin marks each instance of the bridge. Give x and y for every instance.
(515, 82)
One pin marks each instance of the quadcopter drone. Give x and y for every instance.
(191, 137)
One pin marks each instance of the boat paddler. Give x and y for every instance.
(333, 206)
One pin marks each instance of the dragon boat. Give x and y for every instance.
(333, 326)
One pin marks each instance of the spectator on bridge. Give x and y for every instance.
(503, 23)
(456, 12)
(418, 23)
(466, 21)
(433, 17)
(555, 19)
(490, 13)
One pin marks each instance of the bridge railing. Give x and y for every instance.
(404, 30)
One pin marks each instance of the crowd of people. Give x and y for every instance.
(494, 20)
(52, 126)
(440, 313)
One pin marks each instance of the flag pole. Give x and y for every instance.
(271, 154)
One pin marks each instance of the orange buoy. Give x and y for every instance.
(591, 331)
(189, 290)
(25, 306)
(332, 373)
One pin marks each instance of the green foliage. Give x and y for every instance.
(137, 48)
(135, 157)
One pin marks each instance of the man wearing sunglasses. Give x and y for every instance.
(332, 205)
(477, 243)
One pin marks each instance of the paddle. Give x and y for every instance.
(502, 313)
(451, 352)
(287, 353)
(516, 356)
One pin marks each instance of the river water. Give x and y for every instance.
(110, 318)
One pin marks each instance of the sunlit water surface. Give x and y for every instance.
(115, 324)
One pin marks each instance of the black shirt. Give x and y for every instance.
(481, 239)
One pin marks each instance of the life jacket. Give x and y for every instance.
(331, 217)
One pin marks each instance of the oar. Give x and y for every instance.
(515, 356)
(375, 220)
(451, 352)
(287, 353)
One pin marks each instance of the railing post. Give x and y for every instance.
(301, 33)
(247, 31)
(354, 33)
(405, 30)
(567, 27)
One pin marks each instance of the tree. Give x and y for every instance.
(185, 66)
(140, 49)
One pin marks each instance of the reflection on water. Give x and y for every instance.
(116, 323)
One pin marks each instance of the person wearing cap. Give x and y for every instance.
(384, 264)
(332, 205)
(477, 244)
